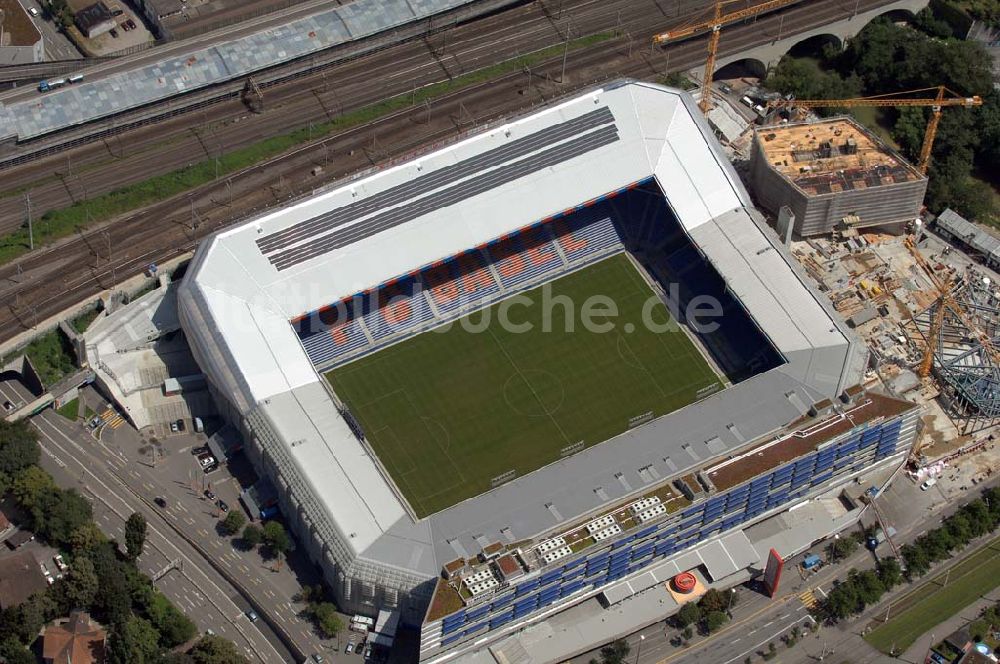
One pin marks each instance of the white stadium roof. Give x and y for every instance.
(237, 300)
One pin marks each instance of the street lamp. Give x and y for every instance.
(732, 594)
(642, 637)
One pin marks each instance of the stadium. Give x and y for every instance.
(483, 382)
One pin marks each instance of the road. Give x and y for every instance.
(51, 279)
(203, 594)
(175, 475)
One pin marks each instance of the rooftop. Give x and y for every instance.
(17, 27)
(77, 640)
(103, 96)
(20, 578)
(236, 305)
(832, 155)
(806, 435)
(803, 435)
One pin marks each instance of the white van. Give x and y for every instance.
(199, 426)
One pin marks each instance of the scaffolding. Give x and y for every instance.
(967, 369)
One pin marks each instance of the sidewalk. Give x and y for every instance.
(916, 652)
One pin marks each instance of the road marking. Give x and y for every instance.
(809, 599)
(110, 494)
(770, 638)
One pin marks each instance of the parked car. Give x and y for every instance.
(114, 33)
(33, 11)
(350, 647)
(198, 451)
(368, 651)
(206, 460)
(131, 24)
(7, 405)
(60, 563)
(117, 11)
(928, 483)
(211, 468)
(318, 658)
(223, 506)
(180, 425)
(173, 427)
(209, 494)
(123, 26)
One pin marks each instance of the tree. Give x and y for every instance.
(714, 620)
(870, 588)
(133, 641)
(86, 537)
(842, 601)
(276, 538)
(615, 652)
(174, 627)
(917, 560)
(233, 522)
(327, 620)
(29, 484)
(689, 614)
(18, 447)
(252, 536)
(135, 535)
(12, 652)
(842, 548)
(714, 600)
(57, 513)
(890, 573)
(216, 650)
(81, 584)
(959, 527)
(31, 614)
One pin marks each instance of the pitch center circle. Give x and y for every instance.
(534, 393)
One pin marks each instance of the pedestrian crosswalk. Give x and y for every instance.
(809, 599)
(112, 419)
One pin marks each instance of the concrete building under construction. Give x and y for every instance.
(833, 174)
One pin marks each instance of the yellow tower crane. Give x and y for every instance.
(944, 97)
(943, 287)
(715, 25)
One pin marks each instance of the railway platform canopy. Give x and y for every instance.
(153, 83)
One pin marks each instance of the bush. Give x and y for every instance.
(688, 615)
(252, 536)
(233, 522)
(714, 620)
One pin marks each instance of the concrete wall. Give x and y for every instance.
(769, 54)
(819, 214)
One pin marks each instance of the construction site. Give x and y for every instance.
(833, 173)
(928, 314)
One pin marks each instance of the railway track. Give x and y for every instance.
(51, 279)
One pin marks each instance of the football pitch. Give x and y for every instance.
(453, 408)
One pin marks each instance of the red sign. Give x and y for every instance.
(772, 573)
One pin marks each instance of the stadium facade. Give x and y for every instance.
(270, 304)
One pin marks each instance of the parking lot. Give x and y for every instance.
(165, 465)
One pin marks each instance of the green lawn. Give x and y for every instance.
(70, 409)
(448, 411)
(974, 576)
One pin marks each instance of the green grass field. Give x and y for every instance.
(448, 411)
(975, 576)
